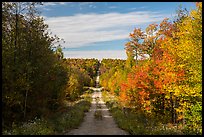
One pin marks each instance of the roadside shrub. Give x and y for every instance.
(35, 127)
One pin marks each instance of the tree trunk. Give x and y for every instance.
(25, 105)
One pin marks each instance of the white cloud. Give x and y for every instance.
(83, 29)
(98, 54)
(112, 7)
(83, 5)
(92, 6)
(54, 3)
(47, 5)
(114, 54)
(133, 8)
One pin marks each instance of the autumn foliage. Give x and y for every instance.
(36, 79)
(167, 79)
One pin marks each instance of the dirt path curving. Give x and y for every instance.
(93, 126)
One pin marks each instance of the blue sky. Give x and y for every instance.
(100, 29)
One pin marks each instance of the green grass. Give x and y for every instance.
(98, 115)
(98, 112)
(57, 124)
(70, 119)
(35, 127)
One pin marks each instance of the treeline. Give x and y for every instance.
(82, 74)
(88, 66)
(167, 82)
(112, 72)
(36, 80)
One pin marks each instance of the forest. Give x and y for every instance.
(161, 77)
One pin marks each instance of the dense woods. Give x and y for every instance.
(162, 76)
(82, 74)
(167, 81)
(36, 79)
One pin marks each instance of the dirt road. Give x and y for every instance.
(93, 124)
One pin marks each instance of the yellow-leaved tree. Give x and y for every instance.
(186, 47)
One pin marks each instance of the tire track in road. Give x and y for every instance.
(93, 126)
